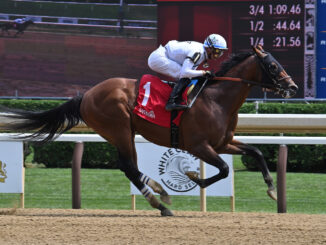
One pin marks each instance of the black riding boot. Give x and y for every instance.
(177, 93)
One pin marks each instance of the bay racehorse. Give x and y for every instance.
(206, 129)
(19, 27)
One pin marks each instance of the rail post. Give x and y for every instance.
(75, 170)
(281, 178)
(202, 190)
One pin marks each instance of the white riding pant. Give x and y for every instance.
(159, 62)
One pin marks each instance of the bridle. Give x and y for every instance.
(271, 69)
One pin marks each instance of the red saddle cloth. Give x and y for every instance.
(152, 97)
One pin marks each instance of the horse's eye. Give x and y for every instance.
(273, 68)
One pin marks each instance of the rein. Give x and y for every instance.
(266, 65)
(234, 79)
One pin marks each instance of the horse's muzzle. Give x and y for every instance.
(289, 92)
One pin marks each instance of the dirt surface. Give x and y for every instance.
(59, 226)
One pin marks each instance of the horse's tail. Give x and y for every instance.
(48, 124)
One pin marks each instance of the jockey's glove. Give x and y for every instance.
(208, 74)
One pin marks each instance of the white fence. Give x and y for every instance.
(279, 140)
(258, 123)
(86, 22)
(276, 140)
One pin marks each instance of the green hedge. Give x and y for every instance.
(284, 108)
(301, 158)
(31, 105)
(59, 155)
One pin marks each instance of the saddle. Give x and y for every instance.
(154, 93)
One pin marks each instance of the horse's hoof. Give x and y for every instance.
(192, 175)
(166, 212)
(272, 193)
(164, 196)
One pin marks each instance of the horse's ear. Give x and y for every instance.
(259, 51)
(260, 48)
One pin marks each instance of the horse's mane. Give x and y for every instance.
(231, 62)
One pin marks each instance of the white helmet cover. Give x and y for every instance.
(215, 41)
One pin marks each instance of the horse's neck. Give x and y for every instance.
(234, 94)
(249, 70)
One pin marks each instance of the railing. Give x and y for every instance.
(281, 166)
(253, 123)
(86, 22)
(268, 123)
(118, 2)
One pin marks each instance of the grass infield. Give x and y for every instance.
(110, 189)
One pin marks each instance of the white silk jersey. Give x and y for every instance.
(176, 59)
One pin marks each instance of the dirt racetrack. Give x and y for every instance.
(47, 64)
(59, 226)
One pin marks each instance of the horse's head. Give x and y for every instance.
(277, 78)
(30, 21)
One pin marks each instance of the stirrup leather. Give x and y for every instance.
(170, 106)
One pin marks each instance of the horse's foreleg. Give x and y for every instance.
(134, 175)
(203, 183)
(237, 147)
(207, 154)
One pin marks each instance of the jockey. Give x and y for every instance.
(19, 20)
(180, 60)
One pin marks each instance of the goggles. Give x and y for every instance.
(216, 53)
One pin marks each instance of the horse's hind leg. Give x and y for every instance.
(135, 176)
(146, 180)
(128, 165)
(156, 187)
(237, 147)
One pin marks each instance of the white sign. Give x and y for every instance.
(11, 167)
(167, 166)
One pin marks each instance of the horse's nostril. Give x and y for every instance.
(292, 90)
(294, 87)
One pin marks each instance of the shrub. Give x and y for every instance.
(59, 155)
(301, 158)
